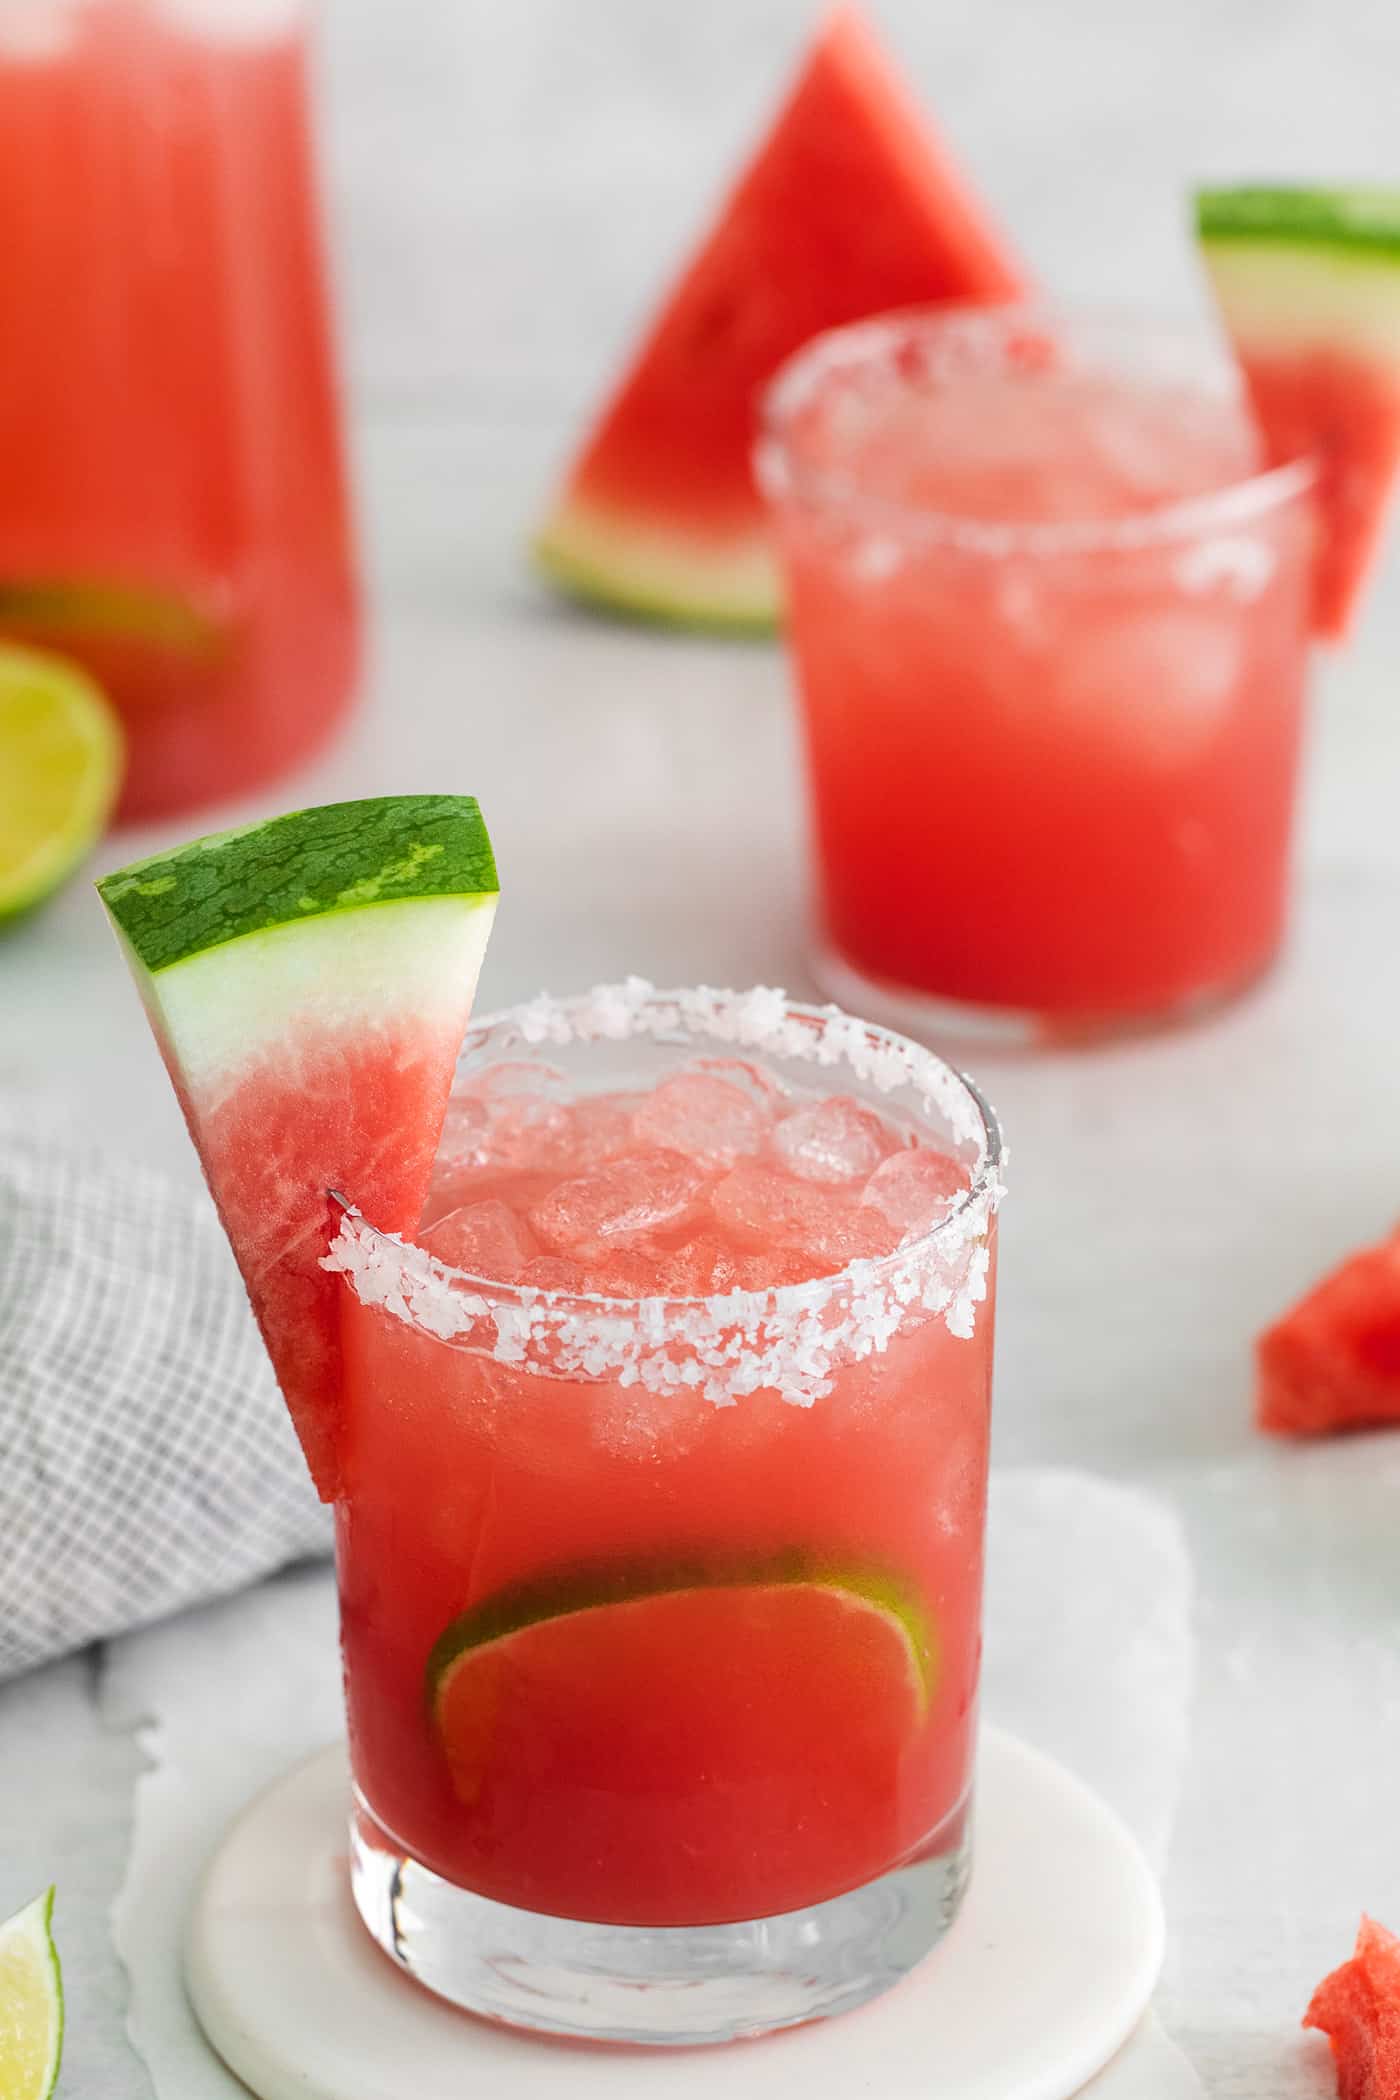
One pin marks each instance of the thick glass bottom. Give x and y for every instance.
(950, 1023)
(676, 1986)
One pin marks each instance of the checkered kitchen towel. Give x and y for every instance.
(146, 1459)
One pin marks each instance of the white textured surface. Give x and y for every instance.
(1093, 1678)
(510, 181)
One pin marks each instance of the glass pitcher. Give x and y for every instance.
(173, 505)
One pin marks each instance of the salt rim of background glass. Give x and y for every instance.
(792, 1338)
(976, 339)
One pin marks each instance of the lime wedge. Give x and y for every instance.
(60, 767)
(31, 2004)
(92, 609)
(819, 1650)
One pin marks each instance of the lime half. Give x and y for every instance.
(781, 1660)
(31, 2004)
(60, 767)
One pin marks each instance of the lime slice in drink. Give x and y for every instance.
(60, 767)
(93, 609)
(778, 1667)
(31, 2004)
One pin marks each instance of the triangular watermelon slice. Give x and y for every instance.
(1308, 284)
(309, 981)
(849, 207)
(1333, 1361)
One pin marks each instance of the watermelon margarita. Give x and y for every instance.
(1049, 624)
(658, 1449)
(660, 1524)
(173, 509)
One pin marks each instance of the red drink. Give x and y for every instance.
(172, 507)
(667, 1614)
(1049, 626)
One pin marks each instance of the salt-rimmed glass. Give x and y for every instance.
(820, 1448)
(1052, 762)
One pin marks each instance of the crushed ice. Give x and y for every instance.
(791, 1339)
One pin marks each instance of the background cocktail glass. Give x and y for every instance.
(1049, 628)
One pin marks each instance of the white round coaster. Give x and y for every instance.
(1040, 1981)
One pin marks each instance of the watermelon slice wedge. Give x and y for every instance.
(1308, 284)
(850, 206)
(309, 981)
(1333, 1361)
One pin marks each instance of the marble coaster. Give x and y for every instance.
(1039, 1983)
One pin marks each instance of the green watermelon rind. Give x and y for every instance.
(1363, 222)
(578, 1591)
(657, 577)
(290, 870)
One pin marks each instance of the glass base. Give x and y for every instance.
(676, 1986)
(950, 1023)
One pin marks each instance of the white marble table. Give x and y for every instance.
(507, 182)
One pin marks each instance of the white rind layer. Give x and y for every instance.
(657, 571)
(348, 972)
(1278, 297)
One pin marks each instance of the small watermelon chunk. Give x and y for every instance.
(1308, 284)
(850, 206)
(309, 981)
(1333, 1361)
(1358, 2008)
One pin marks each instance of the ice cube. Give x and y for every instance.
(701, 1115)
(552, 1272)
(485, 1239)
(594, 1210)
(762, 1087)
(773, 1209)
(834, 1141)
(1154, 685)
(600, 1127)
(915, 1189)
(701, 1267)
(772, 1268)
(517, 1078)
(626, 1269)
(464, 1132)
(526, 1110)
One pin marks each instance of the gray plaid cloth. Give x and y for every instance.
(146, 1458)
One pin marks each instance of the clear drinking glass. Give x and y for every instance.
(173, 507)
(1049, 631)
(661, 1616)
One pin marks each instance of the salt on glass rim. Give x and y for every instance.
(784, 477)
(790, 1339)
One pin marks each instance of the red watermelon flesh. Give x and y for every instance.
(309, 981)
(1333, 1362)
(1358, 2008)
(1308, 285)
(1344, 411)
(851, 206)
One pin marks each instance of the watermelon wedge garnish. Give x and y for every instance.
(309, 981)
(540, 1695)
(850, 206)
(1308, 284)
(1333, 1361)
